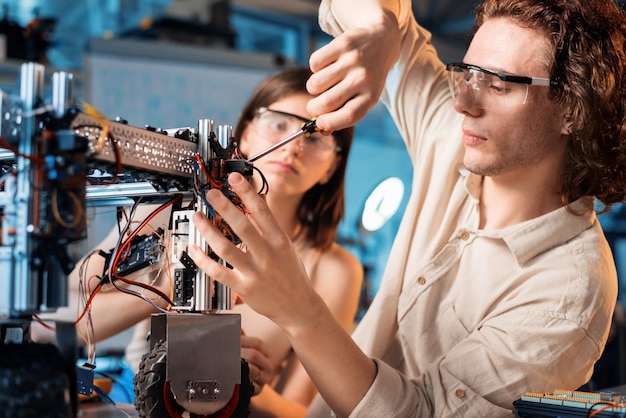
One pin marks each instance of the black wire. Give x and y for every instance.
(264, 186)
(119, 384)
(590, 410)
(87, 125)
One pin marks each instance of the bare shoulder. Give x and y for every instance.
(338, 263)
(338, 278)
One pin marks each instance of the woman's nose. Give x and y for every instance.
(296, 146)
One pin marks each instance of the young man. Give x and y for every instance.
(500, 280)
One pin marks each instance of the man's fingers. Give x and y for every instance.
(346, 82)
(325, 78)
(256, 227)
(348, 115)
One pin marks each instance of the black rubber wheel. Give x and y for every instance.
(33, 382)
(153, 398)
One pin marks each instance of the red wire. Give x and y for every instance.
(166, 401)
(88, 303)
(126, 243)
(6, 145)
(211, 180)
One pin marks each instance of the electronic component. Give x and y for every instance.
(193, 291)
(151, 155)
(570, 404)
(220, 382)
(84, 379)
(144, 251)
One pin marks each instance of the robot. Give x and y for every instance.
(49, 153)
(194, 364)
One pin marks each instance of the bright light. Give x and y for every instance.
(382, 203)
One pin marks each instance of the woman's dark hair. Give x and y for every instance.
(588, 39)
(322, 207)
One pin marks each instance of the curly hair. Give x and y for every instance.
(322, 207)
(588, 39)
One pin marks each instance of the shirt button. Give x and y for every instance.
(464, 235)
(421, 280)
(459, 393)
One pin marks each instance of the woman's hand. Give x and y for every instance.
(255, 352)
(349, 72)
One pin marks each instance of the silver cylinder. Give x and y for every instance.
(224, 133)
(31, 83)
(223, 295)
(205, 127)
(61, 92)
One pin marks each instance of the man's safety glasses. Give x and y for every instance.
(490, 89)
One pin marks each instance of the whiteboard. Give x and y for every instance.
(167, 85)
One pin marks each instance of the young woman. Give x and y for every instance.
(306, 195)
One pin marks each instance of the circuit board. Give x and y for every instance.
(570, 404)
(144, 251)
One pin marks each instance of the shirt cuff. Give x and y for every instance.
(389, 394)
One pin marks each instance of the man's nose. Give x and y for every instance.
(465, 100)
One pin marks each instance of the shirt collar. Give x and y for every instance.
(531, 238)
(528, 239)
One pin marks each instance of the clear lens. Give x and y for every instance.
(487, 90)
(276, 126)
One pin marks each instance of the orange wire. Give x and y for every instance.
(43, 324)
(211, 180)
(604, 408)
(88, 303)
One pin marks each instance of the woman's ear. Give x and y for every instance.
(244, 142)
(331, 170)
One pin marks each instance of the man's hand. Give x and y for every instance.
(269, 275)
(349, 73)
(270, 278)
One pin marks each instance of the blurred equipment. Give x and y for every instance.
(28, 43)
(197, 22)
(56, 157)
(42, 207)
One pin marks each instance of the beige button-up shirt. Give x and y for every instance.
(467, 320)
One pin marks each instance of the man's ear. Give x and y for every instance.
(568, 121)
